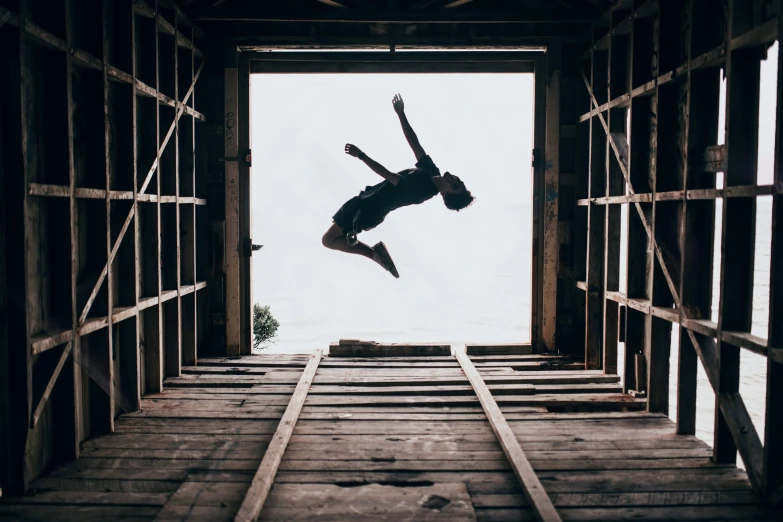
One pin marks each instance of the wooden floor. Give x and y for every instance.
(391, 438)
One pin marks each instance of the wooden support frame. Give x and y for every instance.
(265, 475)
(535, 493)
(546, 136)
(81, 198)
(676, 212)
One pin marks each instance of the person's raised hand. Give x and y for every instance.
(352, 150)
(398, 104)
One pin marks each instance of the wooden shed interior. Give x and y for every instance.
(125, 173)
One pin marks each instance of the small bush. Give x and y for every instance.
(264, 325)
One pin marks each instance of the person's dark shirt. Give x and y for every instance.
(414, 187)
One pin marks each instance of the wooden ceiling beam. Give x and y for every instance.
(260, 13)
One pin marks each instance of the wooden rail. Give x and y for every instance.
(265, 475)
(536, 494)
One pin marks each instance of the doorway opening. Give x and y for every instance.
(464, 276)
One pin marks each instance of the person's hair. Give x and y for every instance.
(458, 201)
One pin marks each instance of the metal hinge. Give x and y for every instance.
(245, 158)
(536, 158)
(248, 247)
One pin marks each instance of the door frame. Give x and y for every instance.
(429, 61)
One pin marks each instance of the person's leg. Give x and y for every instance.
(334, 239)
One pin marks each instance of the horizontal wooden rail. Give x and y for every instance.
(744, 191)
(48, 340)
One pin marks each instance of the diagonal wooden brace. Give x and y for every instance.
(52, 381)
(622, 159)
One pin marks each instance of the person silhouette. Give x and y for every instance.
(411, 186)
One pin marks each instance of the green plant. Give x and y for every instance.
(264, 325)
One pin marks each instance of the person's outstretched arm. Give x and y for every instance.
(391, 177)
(413, 140)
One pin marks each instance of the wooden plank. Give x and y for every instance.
(74, 438)
(108, 412)
(350, 348)
(232, 194)
(597, 175)
(265, 475)
(378, 502)
(534, 491)
(52, 381)
(551, 253)
(245, 190)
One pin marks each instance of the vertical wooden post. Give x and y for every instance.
(595, 220)
(773, 440)
(550, 219)
(6, 128)
(15, 375)
(134, 360)
(245, 205)
(696, 227)
(107, 424)
(231, 153)
(78, 423)
(174, 339)
(739, 220)
(656, 353)
(619, 83)
(539, 143)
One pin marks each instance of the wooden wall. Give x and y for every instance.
(648, 139)
(103, 192)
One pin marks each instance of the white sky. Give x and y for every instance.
(464, 276)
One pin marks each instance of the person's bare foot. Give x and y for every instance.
(383, 258)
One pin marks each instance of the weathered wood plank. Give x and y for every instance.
(534, 491)
(50, 385)
(305, 501)
(262, 482)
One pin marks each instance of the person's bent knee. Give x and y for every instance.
(327, 241)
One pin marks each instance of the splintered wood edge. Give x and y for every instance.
(265, 475)
(536, 494)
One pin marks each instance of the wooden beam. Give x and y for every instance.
(551, 222)
(74, 438)
(324, 14)
(539, 199)
(739, 225)
(50, 385)
(594, 322)
(265, 475)
(245, 206)
(105, 424)
(534, 491)
(232, 194)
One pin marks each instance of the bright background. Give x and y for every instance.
(464, 277)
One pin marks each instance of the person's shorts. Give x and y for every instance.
(355, 216)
